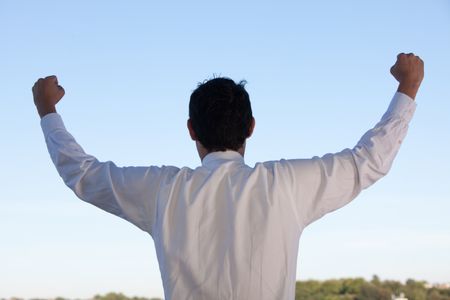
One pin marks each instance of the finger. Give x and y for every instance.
(38, 84)
(400, 55)
(52, 78)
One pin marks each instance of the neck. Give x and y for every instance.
(202, 151)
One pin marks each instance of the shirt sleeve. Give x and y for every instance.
(127, 192)
(324, 184)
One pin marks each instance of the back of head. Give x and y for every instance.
(221, 114)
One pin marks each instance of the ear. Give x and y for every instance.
(252, 127)
(191, 130)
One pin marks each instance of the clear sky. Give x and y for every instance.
(318, 78)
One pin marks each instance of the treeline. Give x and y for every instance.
(346, 289)
(108, 296)
(361, 289)
(120, 296)
(336, 289)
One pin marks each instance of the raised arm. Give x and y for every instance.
(128, 192)
(324, 184)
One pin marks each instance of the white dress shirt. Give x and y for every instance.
(226, 230)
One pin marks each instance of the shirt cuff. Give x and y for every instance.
(401, 105)
(51, 122)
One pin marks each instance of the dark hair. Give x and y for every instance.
(221, 114)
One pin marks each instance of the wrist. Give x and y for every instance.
(408, 88)
(45, 111)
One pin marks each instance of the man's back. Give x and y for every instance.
(227, 231)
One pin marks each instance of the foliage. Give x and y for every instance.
(335, 289)
(360, 289)
(120, 296)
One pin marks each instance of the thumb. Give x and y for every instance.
(61, 92)
(392, 70)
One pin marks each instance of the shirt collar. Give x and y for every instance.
(220, 157)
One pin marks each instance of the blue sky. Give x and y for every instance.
(318, 77)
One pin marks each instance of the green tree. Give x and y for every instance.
(375, 280)
(360, 289)
(352, 286)
(307, 290)
(415, 290)
(331, 287)
(433, 294)
(395, 287)
(371, 292)
(119, 296)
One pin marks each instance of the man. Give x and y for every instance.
(226, 230)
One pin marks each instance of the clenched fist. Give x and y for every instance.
(408, 70)
(47, 93)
